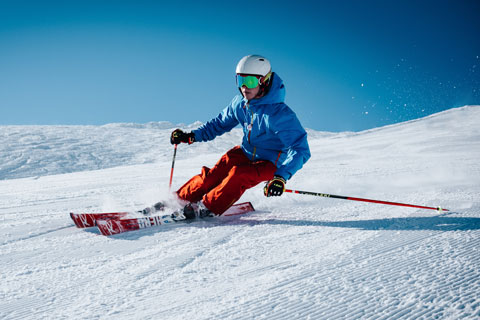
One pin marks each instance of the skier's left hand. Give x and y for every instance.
(178, 136)
(274, 187)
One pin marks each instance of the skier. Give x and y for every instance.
(273, 148)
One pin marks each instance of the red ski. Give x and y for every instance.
(110, 227)
(87, 220)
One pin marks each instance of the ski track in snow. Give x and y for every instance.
(296, 257)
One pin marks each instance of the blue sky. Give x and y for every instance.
(347, 65)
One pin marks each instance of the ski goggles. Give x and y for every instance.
(248, 81)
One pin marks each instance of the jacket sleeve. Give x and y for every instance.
(294, 139)
(219, 125)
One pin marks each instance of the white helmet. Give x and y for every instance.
(254, 64)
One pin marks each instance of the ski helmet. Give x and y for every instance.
(254, 64)
(257, 66)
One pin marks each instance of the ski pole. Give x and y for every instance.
(173, 165)
(326, 195)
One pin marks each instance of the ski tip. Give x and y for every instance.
(72, 216)
(81, 221)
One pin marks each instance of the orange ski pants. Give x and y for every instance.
(221, 186)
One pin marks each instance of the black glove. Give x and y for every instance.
(274, 187)
(179, 136)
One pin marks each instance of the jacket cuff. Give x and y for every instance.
(196, 135)
(283, 173)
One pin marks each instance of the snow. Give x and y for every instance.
(296, 257)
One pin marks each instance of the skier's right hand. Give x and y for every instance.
(274, 187)
(178, 136)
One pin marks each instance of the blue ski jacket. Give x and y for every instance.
(271, 129)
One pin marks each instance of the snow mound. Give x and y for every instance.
(295, 257)
(29, 151)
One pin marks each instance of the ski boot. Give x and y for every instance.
(196, 210)
(159, 206)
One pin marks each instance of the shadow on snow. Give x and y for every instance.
(435, 223)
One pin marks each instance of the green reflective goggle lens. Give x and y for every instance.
(249, 81)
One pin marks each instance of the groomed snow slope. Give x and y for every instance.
(296, 257)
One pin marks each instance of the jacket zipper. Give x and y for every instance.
(250, 128)
(250, 133)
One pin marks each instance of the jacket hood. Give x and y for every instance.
(276, 94)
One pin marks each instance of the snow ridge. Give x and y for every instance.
(34, 151)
